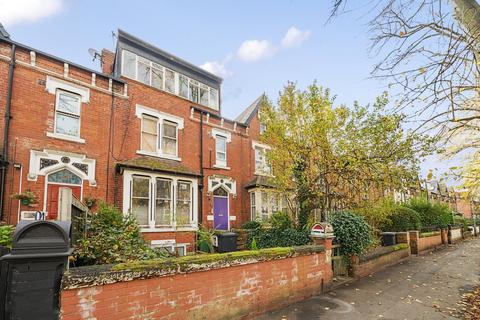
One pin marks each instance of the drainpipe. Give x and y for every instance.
(200, 185)
(8, 105)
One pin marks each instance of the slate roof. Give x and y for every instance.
(3, 32)
(260, 181)
(246, 116)
(158, 165)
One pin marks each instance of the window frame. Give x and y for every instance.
(219, 162)
(142, 131)
(153, 226)
(162, 137)
(161, 116)
(156, 198)
(140, 176)
(210, 103)
(265, 168)
(66, 113)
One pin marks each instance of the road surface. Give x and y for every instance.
(424, 287)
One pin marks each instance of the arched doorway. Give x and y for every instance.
(220, 209)
(56, 180)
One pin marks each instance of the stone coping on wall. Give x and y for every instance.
(429, 234)
(89, 276)
(381, 251)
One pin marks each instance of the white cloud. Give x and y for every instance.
(254, 50)
(18, 11)
(217, 68)
(295, 37)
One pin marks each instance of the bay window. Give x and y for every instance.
(184, 202)
(160, 201)
(140, 199)
(265, 202)
(163, 202)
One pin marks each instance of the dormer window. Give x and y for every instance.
(153, 74)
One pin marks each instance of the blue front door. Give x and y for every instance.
(220, 213)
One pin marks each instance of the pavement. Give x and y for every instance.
(423, 287)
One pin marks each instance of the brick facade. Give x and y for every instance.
(110, 134)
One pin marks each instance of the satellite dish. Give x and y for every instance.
(94, 53)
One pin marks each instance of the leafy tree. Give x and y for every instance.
(336, 157)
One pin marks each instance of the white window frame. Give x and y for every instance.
(152, 227)
(256, 208)
(57, 101)
(266, 168)
(154, 65)
(169, 244)
(216, 133)
(220, 162)
(161, 116)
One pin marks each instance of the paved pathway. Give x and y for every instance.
(424, 287)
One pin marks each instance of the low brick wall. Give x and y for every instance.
(379, 259)
(419, 243)
(217, 286)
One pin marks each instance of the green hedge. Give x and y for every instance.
(401, 219)
(273, 237)
(432, 214)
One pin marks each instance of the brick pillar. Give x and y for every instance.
(444, 233)
(403, 237)
(414, 236)
(326, 242)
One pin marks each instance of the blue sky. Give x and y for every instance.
(334, 54)
(246, 41)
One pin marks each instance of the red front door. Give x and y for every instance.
(52, 198)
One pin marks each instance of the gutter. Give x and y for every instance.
(8, 105)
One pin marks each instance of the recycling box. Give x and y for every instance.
(31, 275)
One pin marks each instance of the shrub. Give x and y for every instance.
(252, 225)
(6, 235)
(463, 222)
(402, 219)
(271, 238)
(205, 239)
(432, 214)
(111, 237)
(377, 214)
(352, 232)
(280, 221)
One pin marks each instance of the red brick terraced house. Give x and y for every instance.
(146, 134)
